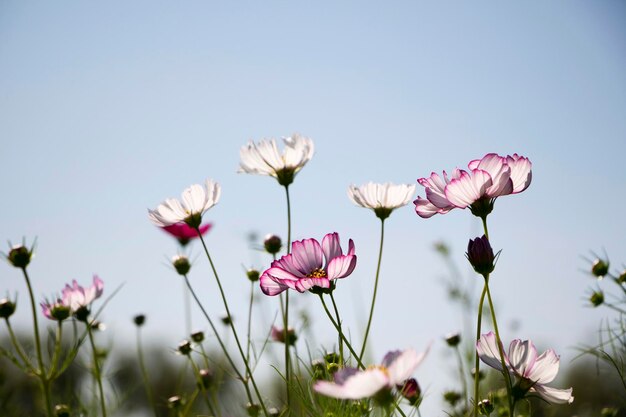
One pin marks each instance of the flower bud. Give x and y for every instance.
(181, 264)
(319, 369)
(7, 308)
(410, 390)
(197, 337)
(331, 357)
(19, 256)
(480, 255)
(597, 298)
(252, 409)
(278, 335)
(272, 244)
(331, 368)
(174, 402)
(253, 275)
(622, 277)
(453, 339)
(600, 268)
(451, 397)
(139, 320)
(485, 407)
(184, 347)
(61, 410)
(206, 378)
(226, 319)
(82, 313)
(481, 374)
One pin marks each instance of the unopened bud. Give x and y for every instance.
(226, 319)
(197, 337)
(82, 313)
(622, 277)
(331, 357)
(278, 335)
(319, 369)
(139, 320)
(181, 264)
(600, 268)
(410, 390)
(252, 409)
(7, 308)
(272, 244)
(453, 339)
(184, 347)
(206, 378)
(481, 374)
(61, 410)
(451, 397)
(19, 256)
(174, 402)
(480, 255)
(253, 275)
(597, 298)
(485, 407)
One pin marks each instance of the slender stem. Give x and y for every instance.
(462, 375)
(57, 351)
(250, 321)
(484, 219)
(283, 309)
(338, 328)
(232, 326)
(196, 372)
(288, 219)
(96, 368)
(477, 360)
(187, 302)
(144, 372)
(18, 347)
(332, 298)
(380, 256)
(41, 373)
(286, 311)
(505, 372)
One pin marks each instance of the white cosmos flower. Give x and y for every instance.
(263, 158)
(382, 198)
(196, 200)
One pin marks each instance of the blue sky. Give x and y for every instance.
(107, 109)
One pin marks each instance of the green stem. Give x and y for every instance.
(196, 372)
(380, 256)
(332, 298)
(484, 219)
(249, 343)
(144, 373)
(462, 375)
(96, 368)
(18, 347)
(57, 351)
(505, 372)
(41, 372)
(477, 360)
(187, 302)
(232, 326)
(286, 311)
(341, 335)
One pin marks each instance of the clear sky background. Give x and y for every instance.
(108, 108)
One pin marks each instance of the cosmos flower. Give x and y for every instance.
(55, 310)
(196, 200)
(352, 384)
(184, 233)
(76, 296)
(532, 371)
(304, 267)
(382, 198)
(488, 178)
(263, 158)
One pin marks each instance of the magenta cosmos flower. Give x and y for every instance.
(488, 178)
(305, 268)
(184, 233)
(352, 384)
(532, 371)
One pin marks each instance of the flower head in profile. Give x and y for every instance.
(375, 381)
(263, 158)
(305, 268)
(487, 179)
(55, 310)
(185, 233)
(382, 198)
(76, 297)
(531, 370)
(196, 200)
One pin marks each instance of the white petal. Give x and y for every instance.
(360, 385)
(553, 395)
(404, 364)
(545, 368)
(487, 350)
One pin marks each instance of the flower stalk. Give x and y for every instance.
(371, 315)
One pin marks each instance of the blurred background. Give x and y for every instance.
(107, 109)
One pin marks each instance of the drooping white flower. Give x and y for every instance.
(264, 158)
(352, 384)
(196, 200)
(532, 371)
(382, 198)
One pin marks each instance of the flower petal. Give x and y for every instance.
(467, 189)
(271, 287)
(522, 356)
(401, 365)
(487, 350)
(331, 246)
(358, 385)
(306, 255)
(553, 395)
(341, 266)
(545, 368)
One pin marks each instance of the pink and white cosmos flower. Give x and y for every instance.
(352, 384)
(488, 178)
(76, 296)
(522, 362)
(184, 233)
(304, 268)
(196, 200)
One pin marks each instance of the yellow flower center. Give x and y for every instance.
(317, 273)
